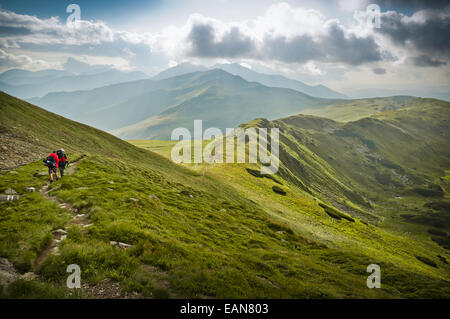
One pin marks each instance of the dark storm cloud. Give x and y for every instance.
(351, 49)
(299, 49)
(334, 46)
(410, 4)
(232, 44)
(426, 61)
(429, 35)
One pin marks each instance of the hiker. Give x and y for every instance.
(52, 163)
(63, 162)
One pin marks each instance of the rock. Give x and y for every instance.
(62, 205)
(55, 251)
(29, 276)
(10, 191)
(119, 244)
(111, 182)
(191, 196)
(109, 189)
(4, 198)
(60, 232)
(153, 197)
(30, 189)
(4, 148)
(134, 199)
(123, 245)
(43, 174)
(8, 273)
(63, 237)
(13, 172)
(79, 215)
(88, 225)
(81, 188)
(223, 210)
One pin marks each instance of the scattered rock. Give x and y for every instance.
(8, 273)
(111, 182)
(119, 244)
(109, 189)
(4, 148)
(223, 210)
(153, 197)
(60, 232)
(79, 215)
(5, 198)
(30, 189)
(10, 191)
(55, 251)
(123, 245)
(184, 192)
(62, 205)
(134, 199)
(88, 225)
(29, 276)
(13, 172)
(81, 188)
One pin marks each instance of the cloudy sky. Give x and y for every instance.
(335, 43)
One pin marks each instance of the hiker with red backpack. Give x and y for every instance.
(63, 162)
(52, 163)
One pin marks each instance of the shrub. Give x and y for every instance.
(34, 290)
(334, 213)
(25, 263)
(427, 261)
(437, 232)
(160, 293)
(278, 190)
(124, 232)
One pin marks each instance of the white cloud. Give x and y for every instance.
(8, 60)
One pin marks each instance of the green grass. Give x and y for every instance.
(223, 234)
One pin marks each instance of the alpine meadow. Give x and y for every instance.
(349, 99)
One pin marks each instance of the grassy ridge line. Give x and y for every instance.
(233, 237)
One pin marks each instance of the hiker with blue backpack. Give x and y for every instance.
(57, 159)
(63, 162)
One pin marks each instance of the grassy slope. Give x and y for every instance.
(233, 237)
(352, 110)
(359, 167)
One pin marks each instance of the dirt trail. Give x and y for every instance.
(60, 234)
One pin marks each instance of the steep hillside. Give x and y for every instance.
(222, 232)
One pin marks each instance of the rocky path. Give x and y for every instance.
(60, 234)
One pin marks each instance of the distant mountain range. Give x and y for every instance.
(252, 76)
(153, 108)
(26, 84)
